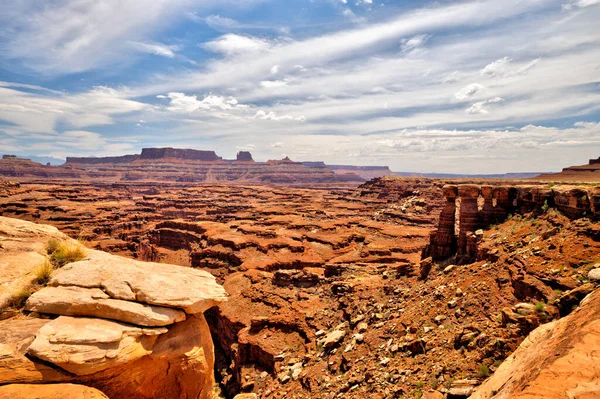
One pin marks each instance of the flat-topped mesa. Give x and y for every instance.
(177, 153)
(497, 203)
(244, 156)
(102, 160)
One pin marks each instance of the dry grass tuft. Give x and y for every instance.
(19, 297)
(43, 273)
(62, 253)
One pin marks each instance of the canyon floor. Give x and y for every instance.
(327, 294)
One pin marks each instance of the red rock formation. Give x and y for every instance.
(102, 160)
(244, 156)
(468, 220)
(443, 241)
(177, 153)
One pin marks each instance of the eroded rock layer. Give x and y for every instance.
(328, 294)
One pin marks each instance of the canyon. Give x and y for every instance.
(394, 287)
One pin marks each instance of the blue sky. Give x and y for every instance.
(448, 86)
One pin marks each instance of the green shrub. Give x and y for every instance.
(545, 207)
(483, 371)
(540, 307)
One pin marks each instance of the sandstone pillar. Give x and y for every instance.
(443, 241)
(503, 203)
(468, 220)
(487, 215)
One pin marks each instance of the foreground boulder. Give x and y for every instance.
(50, 391)
(557, 360)
(129, 329)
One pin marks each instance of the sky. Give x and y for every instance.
(475, 87)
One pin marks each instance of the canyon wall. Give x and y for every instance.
(102, 160)
(480, 206)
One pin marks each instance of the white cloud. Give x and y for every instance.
(219, 22)
(272, 84)
(572, 4)
(277, 144)
(496, 68)
(468, 91)
(480, 107)
(181, 103)
(30, 112)
(232, 44)
(156, 49)
(527, 67)
(502, 67)
(274, 69)
(260, 114)
(414, 42)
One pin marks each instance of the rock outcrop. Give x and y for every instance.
(482, 206)
(49, 391)
(557, 360)
(244, 156)
(125, 327)
(178, 153)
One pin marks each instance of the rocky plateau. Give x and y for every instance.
(398, 287)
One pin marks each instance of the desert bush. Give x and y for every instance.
(545, 207)
(65, 252)
(483, 371)
(540, 307)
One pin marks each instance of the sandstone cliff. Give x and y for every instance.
(127, 328)
(557, 360)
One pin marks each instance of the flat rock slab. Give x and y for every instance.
(93, 302)
(50, 391)
(189, 289)
(86, 345)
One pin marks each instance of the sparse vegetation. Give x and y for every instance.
(43, 272)
(540, 307)
(19, 297)
(545, 207)
(483, 371)
(62, 252)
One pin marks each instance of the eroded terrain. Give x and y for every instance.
(327, 291)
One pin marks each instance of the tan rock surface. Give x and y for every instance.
(181, 365)
(93, 302)
(557, 360)
(85, 345)
(22, 249)
(15, 338)
(172, 286)
(49, 391)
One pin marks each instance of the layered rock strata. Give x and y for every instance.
(497, 202)
(125, 327)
